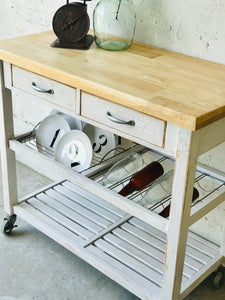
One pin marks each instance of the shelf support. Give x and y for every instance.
(184, 175)
(8, 160)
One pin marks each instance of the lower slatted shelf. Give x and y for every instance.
(77, 211)
(140, 248)
(123, 247)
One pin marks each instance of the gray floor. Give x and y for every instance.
(32, 266)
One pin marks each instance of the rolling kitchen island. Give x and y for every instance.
(173, 105)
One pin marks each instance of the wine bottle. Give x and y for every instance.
(122, 169)
(142, 178)
(166, 211)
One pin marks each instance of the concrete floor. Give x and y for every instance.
(32, 266)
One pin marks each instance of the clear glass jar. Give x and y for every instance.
(114, 24)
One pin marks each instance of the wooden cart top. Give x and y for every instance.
(184, 90)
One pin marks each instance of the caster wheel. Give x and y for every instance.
(9, 225)
(218, 279)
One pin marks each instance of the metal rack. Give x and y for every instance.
(206, 185)
(29, 139)
(209, 187)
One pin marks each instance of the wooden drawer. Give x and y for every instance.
(141, 126)
(44, 88)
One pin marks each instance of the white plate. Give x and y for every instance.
(74, 123)
(103, 142)
(49, 132)
(74, 150)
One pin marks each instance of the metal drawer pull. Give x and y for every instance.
(116, 120)
(38, 89)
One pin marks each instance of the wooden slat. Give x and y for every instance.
(157, 249)
(148, 228)
(193, 240)
(48, 222)
(76, 197)
(201, 247)
(70, 214)
(129, 261)
(189, 261)
(95, 199)
(78, 208)
(51, 213)
(135, 252)
(158, 255)
(142, 287)
(40, 190)
(203, 241)
(105, 231)
(147, 237)
(201, 275)
(141, 256)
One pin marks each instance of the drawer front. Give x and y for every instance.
(141, 126)
(47, 89)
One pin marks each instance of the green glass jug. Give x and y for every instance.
(114, 24)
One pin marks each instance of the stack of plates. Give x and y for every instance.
(73, 143)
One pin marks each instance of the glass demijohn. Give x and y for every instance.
(114, 24)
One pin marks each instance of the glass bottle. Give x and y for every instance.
(166, 211)
(142, 178)
(114, 24)
(122, 169)
(159, 191)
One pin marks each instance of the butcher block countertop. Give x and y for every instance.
(180, 89)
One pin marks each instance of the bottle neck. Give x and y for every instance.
(166, 211)
(128, 189)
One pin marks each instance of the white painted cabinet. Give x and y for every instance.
(153, 257)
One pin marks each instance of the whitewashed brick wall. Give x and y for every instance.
(193, 27)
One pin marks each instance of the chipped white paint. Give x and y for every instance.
(191, 27)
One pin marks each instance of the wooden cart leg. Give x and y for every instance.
(8, 161)
(183, 182)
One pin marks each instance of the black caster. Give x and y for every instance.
(9, 225)
(218, 277)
